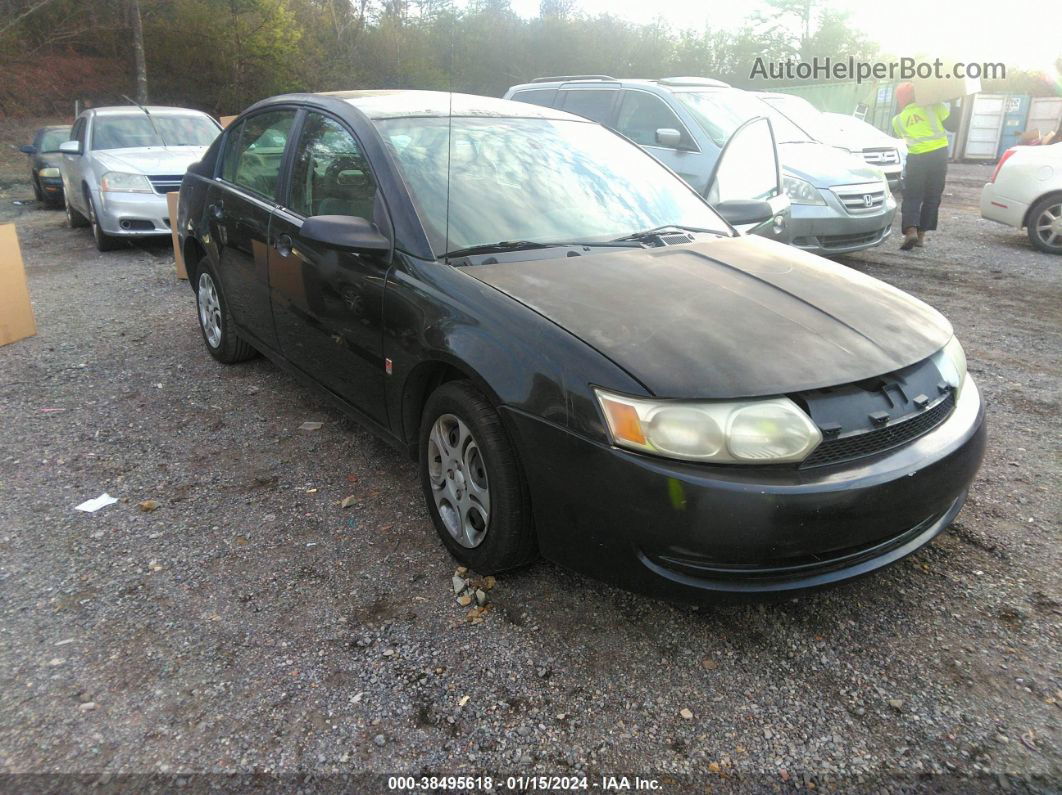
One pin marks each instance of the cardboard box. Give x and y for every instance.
(929, 90)
(225, 121)
(178, 255)
(16, 312)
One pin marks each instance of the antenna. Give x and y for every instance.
(449, 131)
(148, 114)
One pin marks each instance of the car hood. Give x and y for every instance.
(151, 160)
(47, 160)
(825, 166)
(728, 318)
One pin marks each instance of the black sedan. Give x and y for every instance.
(586, 359)
(45, 160)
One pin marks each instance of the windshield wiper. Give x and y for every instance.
(656, 230)
(501, 245)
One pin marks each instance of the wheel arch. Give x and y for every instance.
(193, 251)
(1057, 193)
(427, 376)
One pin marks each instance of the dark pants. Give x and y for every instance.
(923, 185)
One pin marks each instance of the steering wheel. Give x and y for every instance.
(348, 164)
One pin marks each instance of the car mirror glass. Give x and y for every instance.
(28, 149)
(70, 148)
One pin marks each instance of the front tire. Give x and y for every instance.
(74, 219)
(104, 242)
(1045, 224)
(473, 483)
(215, 320)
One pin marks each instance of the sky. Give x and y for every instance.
(1023, 33)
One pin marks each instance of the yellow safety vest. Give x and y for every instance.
(922, 127)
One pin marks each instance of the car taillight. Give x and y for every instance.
(1002, 160)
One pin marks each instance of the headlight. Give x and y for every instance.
(951, 362)
(48, 172)
(800, 191)
(768, 431)
(117, 182)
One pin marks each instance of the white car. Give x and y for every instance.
(845, 132)
(122, 161)
(1025, 190)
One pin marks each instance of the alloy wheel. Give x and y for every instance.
(209, 309)
(1049, 225)
(458, 477)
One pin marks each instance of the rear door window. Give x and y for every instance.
(593, 104)
(546, 97)
(642, 114)
(254, 151)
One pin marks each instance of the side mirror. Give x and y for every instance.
(70, 148)
(739, 212)
(28, 149)
(669, 137)
(345, 231)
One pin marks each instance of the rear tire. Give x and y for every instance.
(472, 480)
(1045, 224)
(215, 320)
(74, 219)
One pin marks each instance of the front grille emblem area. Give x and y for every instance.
(868, 200)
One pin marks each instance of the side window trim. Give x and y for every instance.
(238, 125)
(683, 127)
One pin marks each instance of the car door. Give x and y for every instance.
(239, 206)
(328, 301)
(643, 117)
(71, 170)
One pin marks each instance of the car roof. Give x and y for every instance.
(123, 110)
(392, 104)
(661, 85)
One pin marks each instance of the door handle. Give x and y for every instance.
(282, 244)
(217, 209)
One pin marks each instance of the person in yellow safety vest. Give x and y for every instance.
(922, 127)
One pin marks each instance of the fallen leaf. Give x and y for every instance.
(352, 478)
(241, 541)
(463, 700)
(489, 582)
(685, 713)
(709, 664)
(148, 505)
(465, 600)
(311, 426)
(155, 565)
(713, 767)
(348, 501)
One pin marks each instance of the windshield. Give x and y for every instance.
(50, 139)
(540, 180)
(136, 129)
(721, 111)
(802, 113)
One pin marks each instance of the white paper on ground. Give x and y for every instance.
(102, 501)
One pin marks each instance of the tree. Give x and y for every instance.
(138, 51)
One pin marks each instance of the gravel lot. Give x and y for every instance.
(251, 624)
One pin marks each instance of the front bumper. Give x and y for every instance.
(51, 187)
(133, 214)
(686, 531)
(830, 229)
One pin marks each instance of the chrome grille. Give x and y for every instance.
(167, 183)
(881, 157)
(861, 199)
